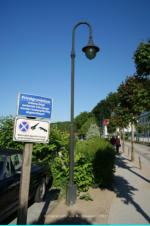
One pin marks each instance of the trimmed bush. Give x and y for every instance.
(94, 165)
(98, 157)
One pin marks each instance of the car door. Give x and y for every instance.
(11, 183)
(34, 178)
(2, 188)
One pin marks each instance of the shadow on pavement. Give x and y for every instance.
(122, 164)
(71, 219)
(51, 195)
(13, 216)
(124, 190)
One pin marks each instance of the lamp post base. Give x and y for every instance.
(71, 195)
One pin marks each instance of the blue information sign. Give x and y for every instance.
(34, 106)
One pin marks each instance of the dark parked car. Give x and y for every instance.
(10, 172)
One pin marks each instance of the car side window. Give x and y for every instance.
(16, 161)
(2, 160)
(7, 168)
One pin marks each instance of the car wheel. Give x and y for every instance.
(40, 191)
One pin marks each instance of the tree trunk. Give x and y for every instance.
(123, 141)
(132, 142)
(116, 131)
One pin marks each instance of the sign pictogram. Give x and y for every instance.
(24, 126)
(31, 130)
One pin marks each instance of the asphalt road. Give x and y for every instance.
(140, 149)
(142, 157)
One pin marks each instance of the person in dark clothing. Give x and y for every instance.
(113, 141)
(117, 144)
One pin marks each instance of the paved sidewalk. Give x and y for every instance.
(132, 195)
(37, 210)
(128, 202)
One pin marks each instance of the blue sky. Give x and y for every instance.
(36, 42)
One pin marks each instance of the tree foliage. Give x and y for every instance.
(81, 119)
(85, 127)
(111, 127)
(92, 132)
(122, 117)
(6, 134)
(134, 96)
(142, 59)
(62, 126)
(105, 106)
(139, 128)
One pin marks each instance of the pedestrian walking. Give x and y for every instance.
(117, 144)
(113, 141)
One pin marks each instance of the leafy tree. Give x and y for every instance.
(85, 127)
(62, 126)
(58, 142)
(81, 119)
(6, 134)
(104, 107)
(142, 59)
(141, 128)
(134, 97)
(122, 117)
(111, 128)
(92, 132)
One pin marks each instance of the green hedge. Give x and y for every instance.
(100, 156)
(94, 165)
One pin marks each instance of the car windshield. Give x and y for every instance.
(2, 159)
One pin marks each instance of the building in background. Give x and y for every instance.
(105, 129)
(141, 120)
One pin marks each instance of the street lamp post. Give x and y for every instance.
(90, 52)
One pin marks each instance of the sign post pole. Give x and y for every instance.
(31, 106)
(24, 184)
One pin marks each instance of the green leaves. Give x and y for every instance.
(81, 119)
(86, 197)
(6, 134)
(92, 132)
(134, 95)
(85, 127)
(95, 164)
(142, 59)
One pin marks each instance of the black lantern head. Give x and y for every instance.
(90, 50)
